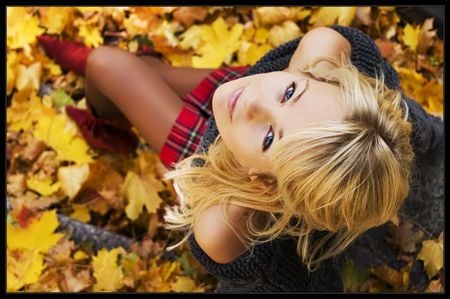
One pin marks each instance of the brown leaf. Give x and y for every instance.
(147, 248)
(426, 37)
(33, 150)
(47, 162)
(188, 15)
(61, 252)
(15, 184)
(403, 237)
(389, 275)
(75, 283)
(435, 286)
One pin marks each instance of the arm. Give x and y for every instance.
(320, 41)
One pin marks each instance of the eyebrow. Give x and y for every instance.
(280, 131)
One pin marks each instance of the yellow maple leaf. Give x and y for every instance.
(72, 178)
(23, 267)
(273, 15)
(22, 27)
(44, 186)
(326, 16)
(284, 33)
(108, 274)
(38, 235)
(432, 254)
(91, 35)
(411, 35)
(250, 53)
(135, 25)
(26, 108)
(80, 255)
(11, 71)
(185, 284)
(140, 190)
(28, 77)
(219, 44)
(55, 18)
(61, 134)
(191, 38)
(81, 213)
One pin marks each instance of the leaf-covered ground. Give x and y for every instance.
(52, 170)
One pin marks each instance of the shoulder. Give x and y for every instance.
(320, 41)
(215, 236)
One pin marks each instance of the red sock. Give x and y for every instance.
(69, 55)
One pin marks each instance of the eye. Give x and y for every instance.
(289, 92)
(267, 142)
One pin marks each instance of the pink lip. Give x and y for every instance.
(233, 100)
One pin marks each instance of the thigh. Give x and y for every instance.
(181, 79)
(140, 93)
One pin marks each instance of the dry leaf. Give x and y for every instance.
(72, 178)
(273, 15)
(426, 37)
(403, 237)
(410, 36)
(188, 15)
(363, 14)
(432, 254)
(284, 33)
(39, 235)
(75, 283)
(107, 273)
(23, 267)
(325, 16)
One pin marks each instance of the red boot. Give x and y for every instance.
(103, 134)
(69, 55)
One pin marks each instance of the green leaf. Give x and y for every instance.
(352, 278)
(61, 98)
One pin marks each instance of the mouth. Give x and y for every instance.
(234, 97)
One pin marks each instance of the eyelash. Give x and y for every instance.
(270, 136)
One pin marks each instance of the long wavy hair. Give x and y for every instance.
(334, 179)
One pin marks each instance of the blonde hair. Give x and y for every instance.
(341, 178)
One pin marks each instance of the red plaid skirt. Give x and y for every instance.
(188, 129)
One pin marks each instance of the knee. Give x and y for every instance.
(101, 59)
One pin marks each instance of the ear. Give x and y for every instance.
(253, 173)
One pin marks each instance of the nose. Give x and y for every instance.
(256, 109)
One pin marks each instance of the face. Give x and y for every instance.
(253, 113)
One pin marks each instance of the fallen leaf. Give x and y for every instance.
(426, 36)
(107, 273)
(80, 255)
(55, 18)
(60, 98)
(91, 35)
(363, 14)
(39, 235)
(61, 252)
(23, 267)
(410, 36)
(61, 133)
(33, 150)
(432, 254)
(435, 286)
(352, 278)
(75, 283)
(44, 186)
(403, 237)
(389, 275)
(81, 213)
(219, 44)
(273, 15)
(326, 16)
(284, 33)
(72, 178)
(23, 33)
(188, 15)
(15, 184)
(28, 77)
(185, 284)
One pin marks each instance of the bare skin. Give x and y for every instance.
(147, 93)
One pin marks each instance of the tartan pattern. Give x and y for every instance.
(188, 129)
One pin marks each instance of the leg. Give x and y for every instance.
(181, 79)
(120, 83)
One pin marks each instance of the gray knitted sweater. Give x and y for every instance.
(275, 266)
